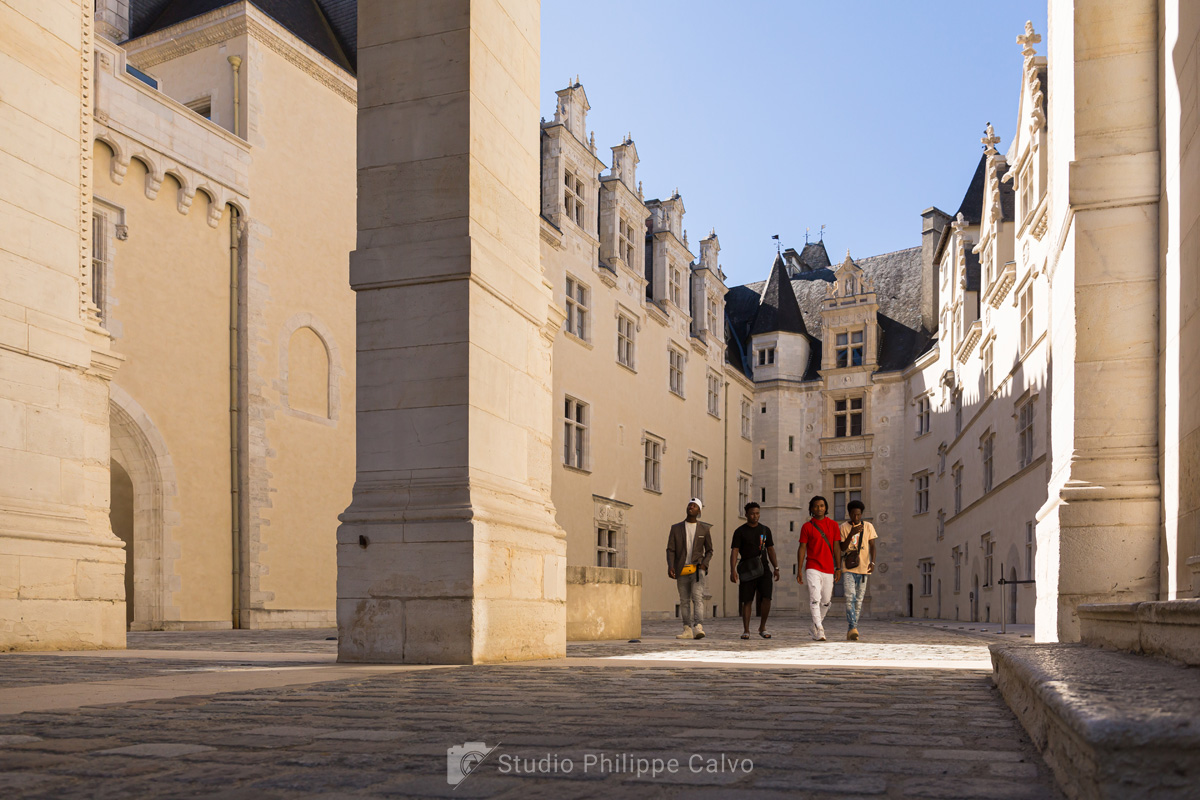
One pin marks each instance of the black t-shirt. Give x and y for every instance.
(749, 541)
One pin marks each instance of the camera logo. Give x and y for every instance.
(462, 760)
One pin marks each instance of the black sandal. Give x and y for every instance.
(745, 636)
(764, 634)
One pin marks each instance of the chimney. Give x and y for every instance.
(933, 222)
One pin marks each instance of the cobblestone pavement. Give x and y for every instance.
(808, 731)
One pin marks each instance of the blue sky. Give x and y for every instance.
(776, 116)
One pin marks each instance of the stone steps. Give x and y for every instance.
(1109, 724)
(1170, 628)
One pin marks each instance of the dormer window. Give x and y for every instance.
(766, 356)
(712, 315)
(573, 198)
(1025, 187)
(625, 241)
(676, 286)
(849, 349)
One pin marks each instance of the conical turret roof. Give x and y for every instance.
(778, 310)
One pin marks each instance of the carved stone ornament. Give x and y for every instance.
(121, 231)
(884, 484)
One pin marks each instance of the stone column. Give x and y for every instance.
(449, 552)
(1098, 534)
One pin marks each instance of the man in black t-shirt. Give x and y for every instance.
(750, 541)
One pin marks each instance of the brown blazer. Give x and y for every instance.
(702, 547)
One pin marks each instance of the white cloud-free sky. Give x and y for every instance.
(773, 116)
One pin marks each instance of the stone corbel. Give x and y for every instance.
(117, 169)
(153, 184)
(121, 231)
(214, 213)
(184, 201)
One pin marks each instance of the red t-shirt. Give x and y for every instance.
(817, 555)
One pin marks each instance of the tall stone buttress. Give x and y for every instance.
(449, 551)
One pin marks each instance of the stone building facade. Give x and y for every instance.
(650, 412)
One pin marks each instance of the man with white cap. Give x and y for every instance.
(689, 549)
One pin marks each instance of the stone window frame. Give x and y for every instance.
(712, 317)
(697, 467)
(1024, 416)
(1025, 313)
(676, 284)
(609, 521)
(627, 330)
(956, 554)
(987, 544)
(925, 568)
(677, 370)
(654, 447)
(113, 229)
(747, 425)
(744, 489)
(714, 394)
(765, 356)
(608, 545)
(849, 491)
(578, 306)
(988, 354)
(574, 208)
(987, 459)
(957, 399)
(844, 352)
(625, 241)
(924, 404)
(849, 413)
(941, 524)
(576, 421)
(334, 372)
(943, 450)
(957, 472)
(1030, 548)
(921, 493)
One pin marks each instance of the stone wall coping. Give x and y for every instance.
(583, 575)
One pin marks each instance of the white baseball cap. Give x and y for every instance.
(699, 504)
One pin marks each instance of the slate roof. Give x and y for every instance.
(972, 204)
(329, 26)
(897, 278)
(777, 308)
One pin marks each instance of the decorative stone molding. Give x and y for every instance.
(335, 371)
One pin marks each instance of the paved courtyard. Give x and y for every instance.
(910, 711)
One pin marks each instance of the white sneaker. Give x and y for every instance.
(687, 633)
(698, 631)
(818, 635)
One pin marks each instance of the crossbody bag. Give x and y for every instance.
(850, 558)
(827, 544)
(751, 569)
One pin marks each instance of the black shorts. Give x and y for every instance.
(762, 586)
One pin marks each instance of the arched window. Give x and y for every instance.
(308, 373)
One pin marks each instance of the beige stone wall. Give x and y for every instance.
(603, 603)
(60, 564)
(168, 295)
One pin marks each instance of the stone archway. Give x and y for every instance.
(141, 454)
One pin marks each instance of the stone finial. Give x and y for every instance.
(990, 140)
(592, 143)
(640, 195)
(560, 110)
(685, 242)
(1028, 40)
(959, 223)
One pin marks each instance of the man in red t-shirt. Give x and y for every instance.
(820, 561)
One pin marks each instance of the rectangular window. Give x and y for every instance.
(1025, 188)
(626, 331)
(675, 371)
(1026, 307)
(676, 287)
(573, 197)
(941, 524)
(712, 316)
(652, 473)
(847, 417)
(958, 415)
(766, 356)
(577, 309)
(1029, 550)
(1025, 434)
(697, 464)
(714, 394)
(608, 551)
(791, 444)
(746, 431)
(99, 261)
(743, 493)
(987, 371)
(926, 577)
(942, 460)
(987, 446)
(625, 241)
(849, 349)
(764, 494)
(989, 549)
(921, 501)
(923, 415)
(847, 486)
(958, 475)
(203, 107)
(957, 554)
(575, 430)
